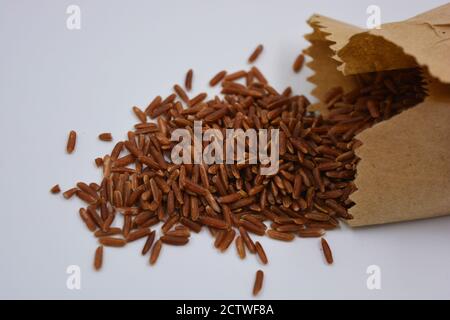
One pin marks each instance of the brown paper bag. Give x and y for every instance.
(404, 172)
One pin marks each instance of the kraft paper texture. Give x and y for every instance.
(404, 172)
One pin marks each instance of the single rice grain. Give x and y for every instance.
(71, 142)
(70, 193)
(188, 80)
(107, 137)
(256, 53)
(327, 251)
(240, 247)
(261, 253)
(217, 78)
(298, 63)
(55, 189)
(112, 242)
(149, 243)
(174, 241)
(155, 252)
(258, 282)
(98, 259)
(282, 236)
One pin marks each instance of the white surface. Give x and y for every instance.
(53, 80)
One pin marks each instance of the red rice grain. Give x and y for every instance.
(282, 236)
(311, 233)
(197, 99)
(138, 234)
(259, 75)
(107, 137)
(127, 224)
(181, 93)
(235, 76)
(217, 78)
(298, 63)
(327, 251)
(261, 253)
(184, 233)
(99, 162)
(140, 114)
(256, 53)
(258, 282)
(156, 102)
(240, 247)
(98, 259)
(71, 142)
(55, 189)
(155, 252)
(188, 80)
(112, 242)
(110, 232)
(174, 241)
(149, 243)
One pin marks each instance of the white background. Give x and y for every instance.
(53, 80)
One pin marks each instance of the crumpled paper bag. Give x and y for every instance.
(404, 172)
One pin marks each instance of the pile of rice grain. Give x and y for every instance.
(309, 194)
